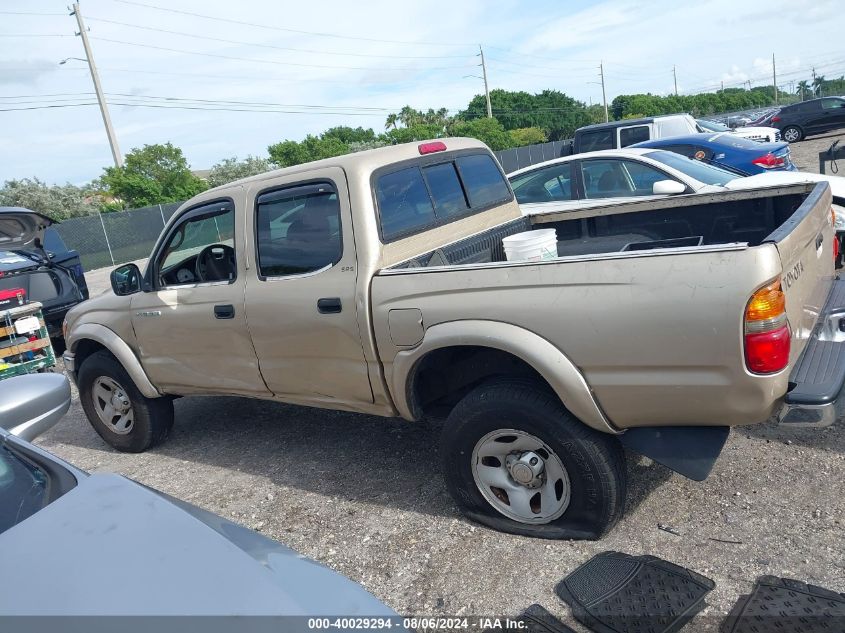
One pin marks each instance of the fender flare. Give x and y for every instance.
(119, 349)
(558, 371)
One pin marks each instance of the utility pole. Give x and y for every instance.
(723, 86)
(486, 89)
(814, 81)
(675, 75)
(603, 93)
(774, 79)
(104, 109)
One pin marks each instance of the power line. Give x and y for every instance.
(269, 61)
(54, 94)
(273, 46)
(28, 35)
(279, 28)
(242, 78)
(28, 13)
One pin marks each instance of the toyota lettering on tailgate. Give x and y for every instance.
(792, 275)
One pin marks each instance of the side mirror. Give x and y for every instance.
(668, 188)
(126, 280)
(32, 404)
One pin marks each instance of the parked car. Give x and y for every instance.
(377, 282)
(619, 134)
(34, 258)
(103, 545)
(576, 182)
(799, 120)
(727, 150)
(753, 132)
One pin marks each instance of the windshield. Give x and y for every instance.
(23, 489)
(708, 174)
(712, 126)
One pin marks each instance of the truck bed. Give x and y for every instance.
(656, 332)
(746, 217)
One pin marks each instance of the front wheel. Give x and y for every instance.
(792, 134)
(125, 418)
(517, 461)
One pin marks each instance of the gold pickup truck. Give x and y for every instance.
(377, 282)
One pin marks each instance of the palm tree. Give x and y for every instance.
(392, 120)
(803, 87)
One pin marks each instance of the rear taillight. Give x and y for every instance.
(767, 338)
(835, 248)
(775, 119)
(769, 161)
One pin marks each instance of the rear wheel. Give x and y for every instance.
(516, 460)
(792, 134)
(125, 418)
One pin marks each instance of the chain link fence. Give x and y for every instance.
(108, 239)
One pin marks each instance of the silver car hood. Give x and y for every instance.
(20, 227)
(113, 547)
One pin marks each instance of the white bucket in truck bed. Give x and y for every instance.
(531, 246)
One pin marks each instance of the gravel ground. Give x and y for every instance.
(364, 496)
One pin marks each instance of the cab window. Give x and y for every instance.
(298, 230)
(419, 197)
(596, 140)
(630, 135)
(200, 248)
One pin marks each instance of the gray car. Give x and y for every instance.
(74, 544)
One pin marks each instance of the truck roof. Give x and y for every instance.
(367, 160)
(626, 122)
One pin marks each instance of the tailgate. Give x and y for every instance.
(805, 245)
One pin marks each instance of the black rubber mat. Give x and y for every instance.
(782, 605)
(619, 593)
(535, 619)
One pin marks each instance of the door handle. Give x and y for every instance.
(224, 311)
(329, 305)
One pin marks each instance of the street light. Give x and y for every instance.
(67, 59)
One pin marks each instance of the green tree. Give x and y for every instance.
(231, 169)
(151, 175)
(488, 130)
(348, 135)
(418, 132)
(526, 136)
(58, 202)
(558, 114)
(311, 148)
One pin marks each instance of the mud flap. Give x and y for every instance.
(689, 451)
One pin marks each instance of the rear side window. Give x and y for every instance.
(483, 180)
(417, 198)
(298, 230)
(630, 135)
(596, 140)
(544, 185)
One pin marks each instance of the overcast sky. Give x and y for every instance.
(326, 62)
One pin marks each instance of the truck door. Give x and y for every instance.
(300, 294)
(191, 326)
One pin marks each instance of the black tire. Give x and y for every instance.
(152, 417)
(595, 462)
(792, 129)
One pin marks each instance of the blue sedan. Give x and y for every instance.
(728, 150)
